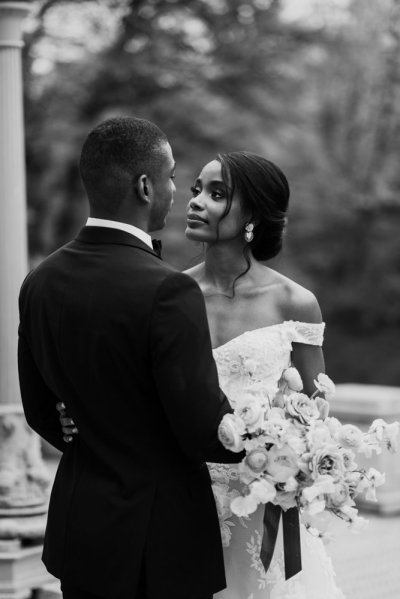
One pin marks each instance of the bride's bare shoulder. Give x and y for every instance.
(297, 302)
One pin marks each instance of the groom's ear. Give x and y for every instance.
(144, 189)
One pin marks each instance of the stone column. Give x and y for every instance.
(23, 476)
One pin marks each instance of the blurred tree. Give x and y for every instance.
(319, 96)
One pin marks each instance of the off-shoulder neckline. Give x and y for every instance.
(269, 326)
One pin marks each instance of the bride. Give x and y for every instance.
(260, 323)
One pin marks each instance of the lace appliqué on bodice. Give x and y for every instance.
(254, 361)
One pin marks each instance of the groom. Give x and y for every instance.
(122, 339)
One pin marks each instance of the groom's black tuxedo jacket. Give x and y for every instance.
(122, 339)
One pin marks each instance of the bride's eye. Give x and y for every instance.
(195, 191)
(218, 194)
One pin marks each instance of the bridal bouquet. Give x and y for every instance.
(296, 455)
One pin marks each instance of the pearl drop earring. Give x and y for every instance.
(248, 235)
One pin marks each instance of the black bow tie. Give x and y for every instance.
(157, 246)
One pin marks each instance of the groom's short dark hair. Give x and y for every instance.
(115, 154)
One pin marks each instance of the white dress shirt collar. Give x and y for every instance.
(113, 224)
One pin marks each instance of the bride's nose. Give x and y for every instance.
(195, 203)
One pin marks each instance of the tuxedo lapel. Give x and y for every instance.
(106, 235)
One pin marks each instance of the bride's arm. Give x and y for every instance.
(309, 361)
(308, 357)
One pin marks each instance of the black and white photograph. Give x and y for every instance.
(199, 299)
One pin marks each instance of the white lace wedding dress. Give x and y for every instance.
(255, 357)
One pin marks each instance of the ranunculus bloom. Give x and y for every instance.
(325, 385)
(350, 436)
(230, 433)
(282, 463)
(319, 434)
(293, 379)
(299, 406)
(257, 460)
(327, 461)
(250, 409)
(243, 506)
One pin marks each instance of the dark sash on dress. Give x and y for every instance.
(291, 538)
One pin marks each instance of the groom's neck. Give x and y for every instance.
(137, 220)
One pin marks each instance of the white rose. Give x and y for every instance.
(301, 407)
(243, 506)
(293, 379)
(230, 433)
(327, 460)
(250, 409)
(325, 385)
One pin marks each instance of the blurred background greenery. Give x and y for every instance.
(314, 85)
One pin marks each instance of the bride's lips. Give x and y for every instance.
(195, 219)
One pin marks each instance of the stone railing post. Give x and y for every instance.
(23, 477)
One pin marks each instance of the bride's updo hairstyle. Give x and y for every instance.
(264, 193)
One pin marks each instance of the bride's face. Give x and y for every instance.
(205, 211)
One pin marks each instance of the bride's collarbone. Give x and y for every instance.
(229, 322)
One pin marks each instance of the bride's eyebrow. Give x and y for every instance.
(212, 182)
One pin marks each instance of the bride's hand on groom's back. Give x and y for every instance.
(67, 424)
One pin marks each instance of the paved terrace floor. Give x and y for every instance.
(368, 564)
